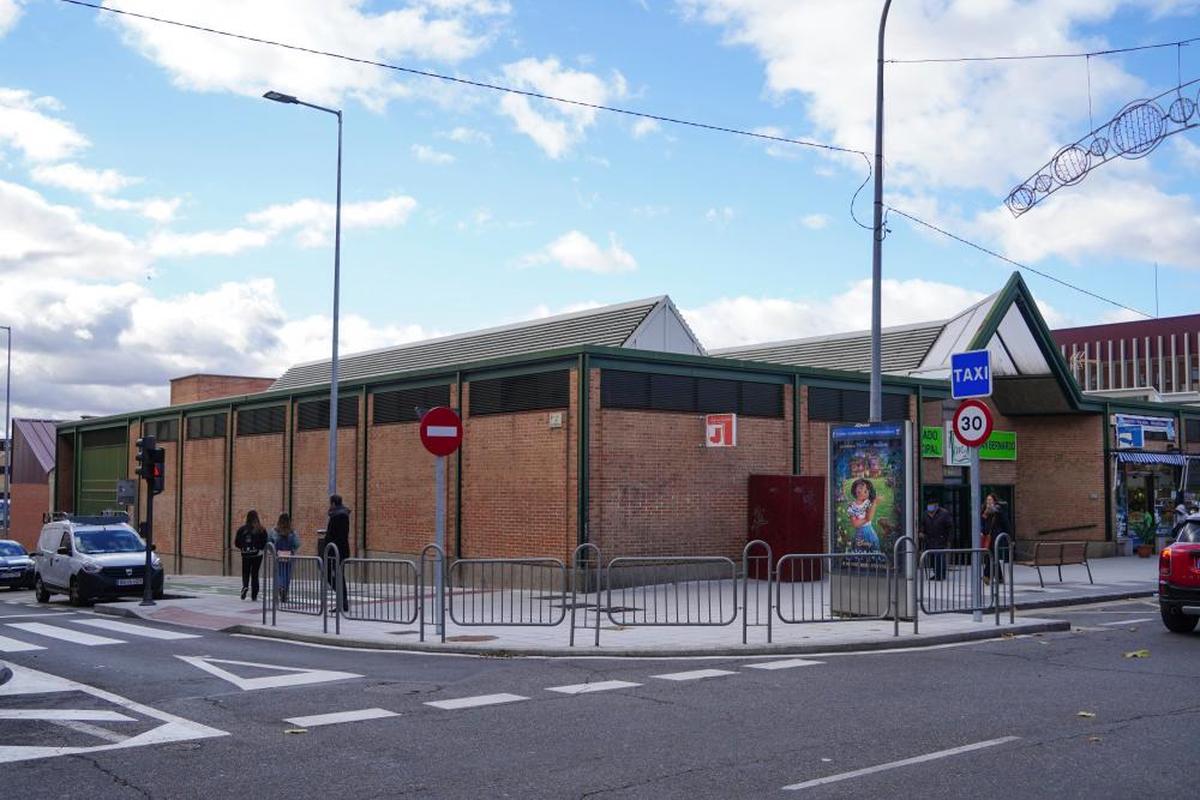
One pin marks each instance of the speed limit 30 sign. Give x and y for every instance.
(972, 423)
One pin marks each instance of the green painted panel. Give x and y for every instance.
(931, 442)
(1000, 446)
(100, 468)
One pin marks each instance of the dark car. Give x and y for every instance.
(1179, 579)
(16, 567)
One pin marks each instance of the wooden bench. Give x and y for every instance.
(1058, 554)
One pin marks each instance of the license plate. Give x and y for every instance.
(129, 581)
(9, 574)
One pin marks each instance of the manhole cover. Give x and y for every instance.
(471, 638)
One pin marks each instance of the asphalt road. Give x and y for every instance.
(1056, 715)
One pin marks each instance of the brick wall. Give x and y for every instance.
(517, 498)
(194, 388)
(1060, 473)
(657, 490)
(29, 502)
(259, 478)
(400, 490)
(203, 506)
(310, 485)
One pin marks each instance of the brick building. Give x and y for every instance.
(589, 427)
(32, 466)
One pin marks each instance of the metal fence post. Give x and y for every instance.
(900, 576)
(746, 558)
(439, 589)
(578, 562)
(269, 557)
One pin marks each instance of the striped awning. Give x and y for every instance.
(1175, 459)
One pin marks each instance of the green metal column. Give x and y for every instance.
(583, 478)
(796, 456)
(1106, 442)
(458, 471)
(226, 544)
(179, 440)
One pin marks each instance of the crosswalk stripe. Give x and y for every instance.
(786, 664)
(694, 675)
(473, 702)
(8, 645)
(134, 630)
(340, 716)
(587, 688)
(65, 634)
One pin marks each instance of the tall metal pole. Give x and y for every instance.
(7, 432)
(876, 408)
(337, 286)
(976, 536)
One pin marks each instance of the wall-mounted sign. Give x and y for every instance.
(720, 430)
(1130, 436)
(931, 442)
(1159, 424)
(1000, 446)
(870, 505)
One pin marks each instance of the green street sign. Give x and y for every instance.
(931, 442)
(1000, 446)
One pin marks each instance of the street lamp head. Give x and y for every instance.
(280, 97)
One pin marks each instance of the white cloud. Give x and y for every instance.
(157, 209)
(426, 154)
(448, 31)
(556, 127)
(81, 179)
(815, 222)
(313, 220)
(10, 12)
(168, 244)
(468, 136)
(651, 211)
(25, 126)
(645, 127)
(729, 322)
(720, 216)
(575, 251)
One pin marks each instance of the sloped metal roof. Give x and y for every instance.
(608, 326)
(903, 349)
(39, 434)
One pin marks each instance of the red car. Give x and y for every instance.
(1179, 579)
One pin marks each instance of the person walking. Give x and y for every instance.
(937, 532)
(995, 522)
(251, 538)
(286, 543)
(337, 533)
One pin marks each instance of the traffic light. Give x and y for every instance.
(145, 449)
(158, 470)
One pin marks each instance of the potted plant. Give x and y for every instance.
(1144, 529)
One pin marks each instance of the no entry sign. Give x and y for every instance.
(972, 423)
(441, 431)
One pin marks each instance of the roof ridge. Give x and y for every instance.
(912, 326)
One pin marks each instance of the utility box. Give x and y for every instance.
(788, 513)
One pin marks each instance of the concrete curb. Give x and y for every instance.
(991, 632)
(1051, 602)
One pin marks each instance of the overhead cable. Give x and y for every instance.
(1043, 56)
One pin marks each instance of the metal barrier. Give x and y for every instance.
(762, 565)
(688, 590)
(952, 569)
(508, 591)
(906, 548)
(586, 561)
(382, 589)
(333, 574)
(833, 587)
(1003, 556)
(269, 563)
(436, 569)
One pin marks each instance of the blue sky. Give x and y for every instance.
(161, 218)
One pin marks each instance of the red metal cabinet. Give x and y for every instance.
(788, 513)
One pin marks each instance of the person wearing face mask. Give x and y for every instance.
(937, 533)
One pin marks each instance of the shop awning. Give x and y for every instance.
(1175, 459)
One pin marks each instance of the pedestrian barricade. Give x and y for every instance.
(833, 587)
(335, 585)
(668, 591)
(947, 581)
(586, 578)
(1002, 551)
(757, 569)
(433, 583)
(507, 591)
(292, 583)
(382, 589)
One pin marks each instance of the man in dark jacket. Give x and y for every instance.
(337, 532)
(937, 531)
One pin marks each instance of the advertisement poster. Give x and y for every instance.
(868, 487)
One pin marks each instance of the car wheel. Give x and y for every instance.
(43, 594)
(1176, 621)
(76, 594)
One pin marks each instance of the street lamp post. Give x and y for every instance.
(7, 432)
(876, 408)
(279, 97)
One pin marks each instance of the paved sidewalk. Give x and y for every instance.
(213, 603)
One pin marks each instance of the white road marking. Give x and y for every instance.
(28, 681)
(1128, 621)
(587, 688)
(8, 645)
(904, 762)
(44, 614)
(65, 634)
(91, 730)
(474, 702)
(694, 675)
(135, 630)
(78, 714)
(341, 716)
(292, 676)
(788, 664)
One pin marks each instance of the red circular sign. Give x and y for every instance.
(441, 431)
(972, 422)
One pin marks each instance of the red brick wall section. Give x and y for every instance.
(29, 502)
(516, 486)
(194, 388)
(310, 484)
(400, 490)
(657, 490)
(203, 504)
(1060, 470)
(259, 464)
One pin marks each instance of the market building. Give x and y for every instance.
(590, 427)
(32, 470)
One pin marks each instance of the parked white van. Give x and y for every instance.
(92, 557)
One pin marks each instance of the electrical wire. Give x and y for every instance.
(1043, 56)
(477, 84)
(1017, 264)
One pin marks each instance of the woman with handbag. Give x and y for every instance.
(250, 539)
(286, 543)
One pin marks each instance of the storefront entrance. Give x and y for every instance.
(957, 500)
